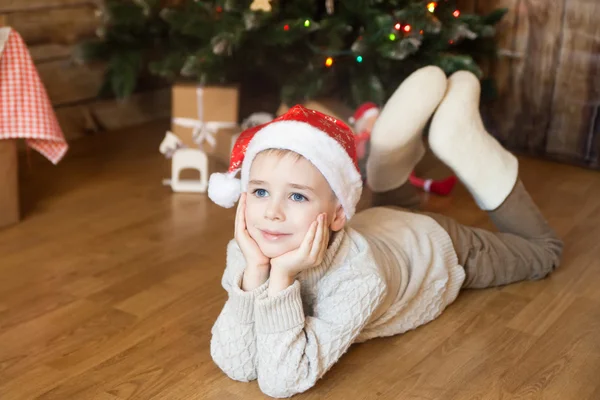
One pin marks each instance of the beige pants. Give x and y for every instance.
(524, 248)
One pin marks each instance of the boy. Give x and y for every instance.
(305, 281)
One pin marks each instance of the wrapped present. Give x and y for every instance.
(203, 130)
(199, 112)
(225, 139)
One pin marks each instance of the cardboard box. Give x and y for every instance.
(219, 104)
(225, 139)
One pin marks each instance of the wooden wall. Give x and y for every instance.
(51, 28)
(548, 77)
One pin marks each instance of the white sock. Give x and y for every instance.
(396, 139)
(458, 138)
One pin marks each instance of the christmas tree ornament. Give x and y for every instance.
(222, 45)
(330, 6)
(101, 32)
(261, 5)
(144, 5)
(488, 31)
(251, 21)
(229, 5)
(462, 31)
(190, 66)
(359, 45)
(404, 48)
(432, 24)
(166, 13)
(99, 13)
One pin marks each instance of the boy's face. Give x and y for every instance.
(285, 195)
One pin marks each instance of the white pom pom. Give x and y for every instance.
(224, 189)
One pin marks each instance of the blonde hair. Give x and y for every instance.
(282, 153)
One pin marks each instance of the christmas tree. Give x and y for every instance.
(355, 50)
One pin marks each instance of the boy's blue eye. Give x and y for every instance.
(260, 193)
(298, 197)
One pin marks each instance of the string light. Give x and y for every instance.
(456, 13)
(286, 27)
(392, 36)
(359, 59)
(397, 26)
(329, 62)
(307, 23)
(407, 28)
(431, 6)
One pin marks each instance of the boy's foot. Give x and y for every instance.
(458, 138)
(396, 139)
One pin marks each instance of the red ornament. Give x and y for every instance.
(286, 27)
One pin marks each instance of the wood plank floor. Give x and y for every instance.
(110, 285)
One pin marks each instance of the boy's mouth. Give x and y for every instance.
(273, 235)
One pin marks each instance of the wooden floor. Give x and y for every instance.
(110, 285)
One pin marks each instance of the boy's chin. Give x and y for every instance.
(273, 250)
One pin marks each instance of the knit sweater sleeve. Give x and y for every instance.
(233, 343)
(295, 350)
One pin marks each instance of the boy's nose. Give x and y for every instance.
(274, 211)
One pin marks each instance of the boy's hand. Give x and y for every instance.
(257, 264)
(309, 255)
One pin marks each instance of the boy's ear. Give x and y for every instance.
(339, 219)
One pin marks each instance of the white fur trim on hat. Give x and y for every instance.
(324, 152)
(224, 188)
(359, 123)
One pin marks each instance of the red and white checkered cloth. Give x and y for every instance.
(25, 109)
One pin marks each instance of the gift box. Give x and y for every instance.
(199, 112)
(225, 139)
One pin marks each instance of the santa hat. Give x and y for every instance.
(362, 113)
(326, 142)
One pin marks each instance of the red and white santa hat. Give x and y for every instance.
(362, 113)
(326, 142)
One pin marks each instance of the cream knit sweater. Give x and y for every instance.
(388, 272)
